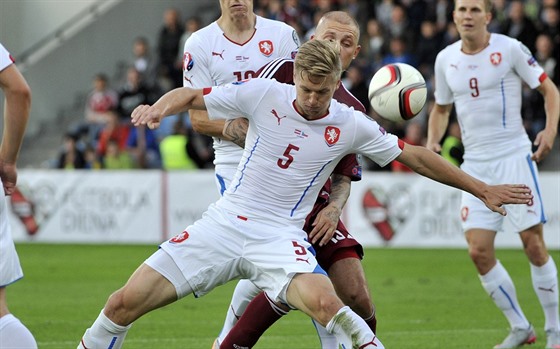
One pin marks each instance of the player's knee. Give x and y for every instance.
(326, 307)
(117, 309)
(537, 254)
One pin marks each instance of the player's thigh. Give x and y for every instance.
(474, 213)
(209, 251)
(314, 295)
(146, 290)
(272, 259)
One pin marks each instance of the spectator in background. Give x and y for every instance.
(443, 9)
(142, 144)
(374, 46)
(91, 159)
(398, 27)
(99, 103)
(384, 10)
(192, 24)
(356, 85)
(499, 16)
(143, 61)
(116, 158)
(114, 130)
(398, 53)
(550, 18)
(71, 157)
(519, 26)
(174, 149)
(132, 93)
(427, 47)
(168, 47)
(534, 115)
(452, 148)
(547, 58)
(450, 35)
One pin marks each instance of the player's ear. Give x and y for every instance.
(356, 51)
(488, 18)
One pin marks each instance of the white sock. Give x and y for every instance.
(104, 334)
(243, 294)
(14, 334)
(352, 331)
(545, 283)
(328, 340)
(500, 288)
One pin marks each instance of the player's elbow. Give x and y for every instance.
(198, 126)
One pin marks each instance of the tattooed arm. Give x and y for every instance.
(235, 130)
(326, 220)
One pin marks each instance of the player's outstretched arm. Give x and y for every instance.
(173, 102)
(437, 125)
(431, 165)
(545, 138)
(326, 221)
(16, 113)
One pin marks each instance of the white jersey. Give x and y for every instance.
(486, 89)
(5, 58)
(211, 59)
(287, 158)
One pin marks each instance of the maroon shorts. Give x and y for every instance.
(341, 246)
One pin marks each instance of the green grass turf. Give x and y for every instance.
(425, 299)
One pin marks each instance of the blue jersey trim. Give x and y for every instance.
(536, 182)
(222, 184)
(245, 164)
(503, 103)
(307, 189)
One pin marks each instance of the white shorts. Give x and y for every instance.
(10, 269)
(516, 169)
(223, 246)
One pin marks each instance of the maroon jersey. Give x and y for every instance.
(342, 245)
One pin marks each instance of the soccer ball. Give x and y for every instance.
(397, 92)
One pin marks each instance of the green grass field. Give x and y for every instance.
(425, 299)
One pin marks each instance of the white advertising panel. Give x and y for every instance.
(88, 206)
(408, 210)
(189, 195)
(384, 209)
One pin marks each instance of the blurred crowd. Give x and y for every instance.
(407, 31)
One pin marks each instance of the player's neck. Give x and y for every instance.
(238, 29)
(475, 45)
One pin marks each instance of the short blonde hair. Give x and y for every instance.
(487, 5)
(319, 58)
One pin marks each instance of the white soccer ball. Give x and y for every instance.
(397, 92)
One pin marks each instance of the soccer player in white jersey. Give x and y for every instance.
(13, 334)
(231, 49)
(482, 75)
(340, 256)
(297, 135)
